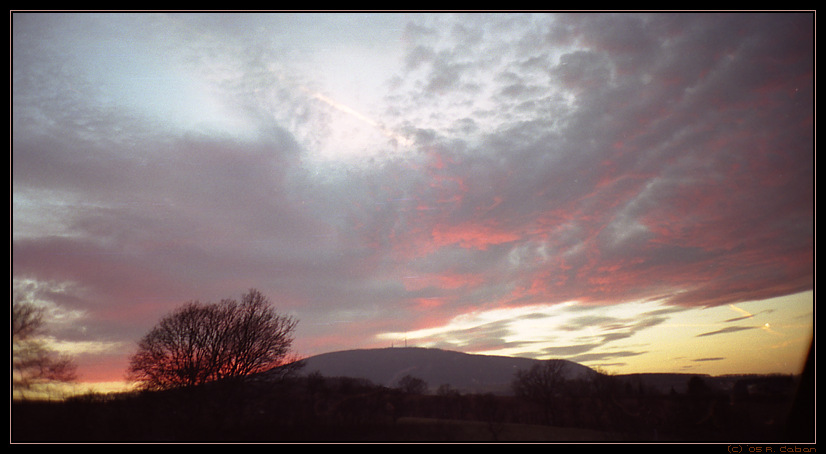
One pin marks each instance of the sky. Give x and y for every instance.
(630, 191)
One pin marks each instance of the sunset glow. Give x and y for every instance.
(633, 192)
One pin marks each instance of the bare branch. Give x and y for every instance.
(199, 343)
(34, 364)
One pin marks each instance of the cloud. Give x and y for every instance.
(731, 329)
(569, 350)
(552, 158)
(603, 356)
(665, 216)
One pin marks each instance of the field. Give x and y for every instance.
(324, 410)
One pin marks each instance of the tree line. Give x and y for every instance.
(214, 343)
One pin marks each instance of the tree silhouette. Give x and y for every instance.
(412, 385)
(34, 364)
(696, 386)
(542, 384)
(199, 343)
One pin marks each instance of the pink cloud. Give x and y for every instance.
(471, 235)
(444, 281)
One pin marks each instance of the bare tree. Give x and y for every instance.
(34, 364)
(542, 384)
(199, 343)
(412, 385)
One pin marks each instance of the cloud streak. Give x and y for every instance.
(731, 329)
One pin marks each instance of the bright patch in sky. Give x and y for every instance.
(355, 138)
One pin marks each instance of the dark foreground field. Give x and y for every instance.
(318, 409)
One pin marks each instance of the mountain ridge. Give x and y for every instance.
(477, 373)
(464, 372)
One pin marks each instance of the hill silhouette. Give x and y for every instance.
(464, 372)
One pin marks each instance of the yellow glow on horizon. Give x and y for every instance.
(775, 340)
(770, 336)
(59, 391)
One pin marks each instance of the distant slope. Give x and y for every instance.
(464, 372)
